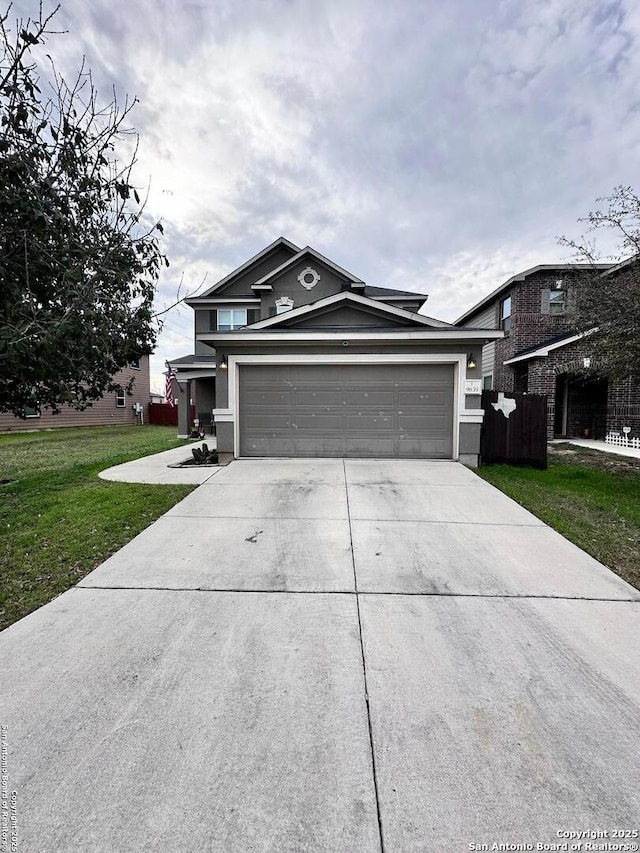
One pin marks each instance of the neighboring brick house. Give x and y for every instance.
(542, 353)
(118, 407)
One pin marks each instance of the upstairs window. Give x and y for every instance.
(134, 362)
(505, 314)
(230, 319)
(554, 300)
(557, 301)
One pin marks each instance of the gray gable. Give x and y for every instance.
(238, 282)
(341, 316)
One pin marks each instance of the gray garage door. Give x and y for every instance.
(378, 410)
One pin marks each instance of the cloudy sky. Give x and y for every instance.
(424, 145)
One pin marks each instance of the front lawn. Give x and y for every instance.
(590, 497)
(58, 520)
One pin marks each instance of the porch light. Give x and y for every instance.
(471, 362)
(223, 362)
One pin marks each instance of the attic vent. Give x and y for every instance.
(308, 278)
(283, 304)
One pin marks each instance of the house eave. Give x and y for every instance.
(219, 300)
(401, 336)
(543, 351)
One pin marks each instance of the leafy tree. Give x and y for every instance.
(78, 265)
(608, 304)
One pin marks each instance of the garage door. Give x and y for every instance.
(382, 410)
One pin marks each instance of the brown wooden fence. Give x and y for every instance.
(514, 430)
(162, 414)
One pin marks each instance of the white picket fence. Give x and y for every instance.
(620, 440)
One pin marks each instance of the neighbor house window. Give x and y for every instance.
(487, 382)
(32, 411)
(557, 301)
(134, 362)
(230, 319)
(505, 314)
(120, 398)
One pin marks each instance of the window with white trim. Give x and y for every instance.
(487, 382)
(134, 362)
(32, 411)
(230, 319)
(120, 398)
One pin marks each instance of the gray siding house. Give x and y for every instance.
(296, 356)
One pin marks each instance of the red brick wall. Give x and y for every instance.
(624, 407)
(529, 326)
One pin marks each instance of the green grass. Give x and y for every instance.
(590, 497)
(58, 521)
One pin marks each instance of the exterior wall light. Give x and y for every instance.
(471, 362)
(223, 362)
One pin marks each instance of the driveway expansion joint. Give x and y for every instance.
(357, 593)
(364, 664)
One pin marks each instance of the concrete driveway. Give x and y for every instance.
(328, 655)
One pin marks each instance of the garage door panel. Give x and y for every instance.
(269, 445)
(417, 448)
(269, 421)
(371, 397)
(388, 410)
(311, 373)
(318, 422)
(372, 446)
(423, 423)
(317, 397)
(261, 397)
(372, 422)
(317, 446)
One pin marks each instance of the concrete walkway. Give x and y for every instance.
(602, 446)
(328, 655)
(156, 468)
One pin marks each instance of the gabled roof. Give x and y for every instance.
(190, 360)
(387, 293)
(303, 253)
(280, 242)
(634, 259)
(521, 277)
(339, 299)
(543, 350)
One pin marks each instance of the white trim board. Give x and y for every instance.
(444, 335)
(543, 352)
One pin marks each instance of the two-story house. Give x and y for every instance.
(121, 407)
(296, 356)
(543, 353)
